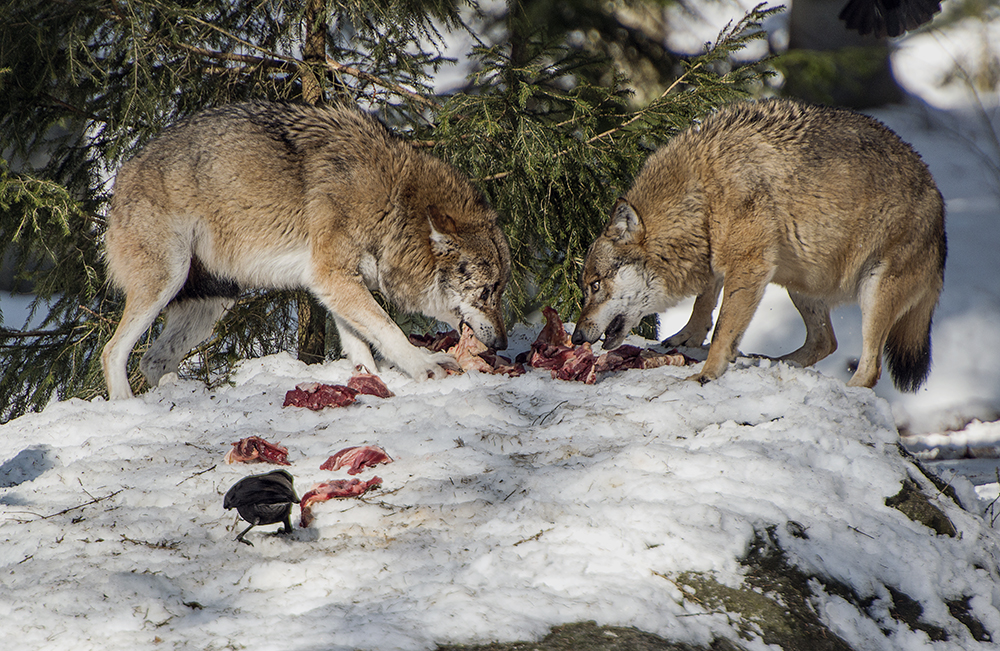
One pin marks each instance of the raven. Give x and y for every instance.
(263, 499)
(887, 17)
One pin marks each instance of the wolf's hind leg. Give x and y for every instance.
(820, 340)
(696, 329)
(189, 322)
(897, 307)
(142, 306)
(879, 297)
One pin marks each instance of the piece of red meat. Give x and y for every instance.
(254, 449)
(673, 357)
(356, 459)
(554, 331)
(437, 343)
(578, 365)
(502, 365)
(315, 396)
(625, 356)
(469, 352)
(328, 490)
(554, 350)
(368, 383)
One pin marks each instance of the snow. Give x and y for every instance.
(513, 505)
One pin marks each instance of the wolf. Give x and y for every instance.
(281, 195)
(826, 202)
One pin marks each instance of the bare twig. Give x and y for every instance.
(80, 506)
(361, 74)
(197, 473)
(535, 537)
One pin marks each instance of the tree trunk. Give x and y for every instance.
(312, 316)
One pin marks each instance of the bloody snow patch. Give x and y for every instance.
(469, 352)
(554, 350)
(327, 490)
(356, 459)
(254, 449)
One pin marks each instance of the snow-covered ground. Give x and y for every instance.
(516, 504)
(512, 505)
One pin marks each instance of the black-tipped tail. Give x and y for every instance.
(909, 367)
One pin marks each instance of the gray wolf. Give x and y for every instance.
(826, 202)
(272, 195)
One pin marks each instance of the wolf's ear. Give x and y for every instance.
(625, 224)
(443, 230)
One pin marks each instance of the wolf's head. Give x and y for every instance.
(472, 269)
(618, 286)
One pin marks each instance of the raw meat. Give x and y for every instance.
(469, 352)
(466, 352)
(356, 459)
(368, 383)
(315, 396)
(554, 350)
(437, 343)
(254, 449)
(327, 490)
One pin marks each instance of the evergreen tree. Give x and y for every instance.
(545, 127)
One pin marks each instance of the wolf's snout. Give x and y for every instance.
(499, 341)
(491, 332)
(496, 335)
(577, 337)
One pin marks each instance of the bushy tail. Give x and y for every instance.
(908, 347)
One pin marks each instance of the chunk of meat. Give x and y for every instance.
(254, 449)
(316, 396)
(437, 343)
(368, 383)
(673, 357)
(625, 356)
(466, 352)
(356, 459)
(469, 352)
(553, 332)
(579, 365)
(328, 490)
(554, 350)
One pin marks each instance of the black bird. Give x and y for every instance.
(263, 499)
(888, 17)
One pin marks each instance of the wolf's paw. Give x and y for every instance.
(700, 378)
(445, 362)
(429, 366)
(685, 339)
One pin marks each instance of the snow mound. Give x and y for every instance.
(513, 505)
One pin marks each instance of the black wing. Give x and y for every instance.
(272, 488)
(888, 17)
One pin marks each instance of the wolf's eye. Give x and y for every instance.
(595, 286)
(485, 296)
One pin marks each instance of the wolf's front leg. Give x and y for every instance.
(354, 347)
(363, 318)
(743, 291)
(694, 332)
